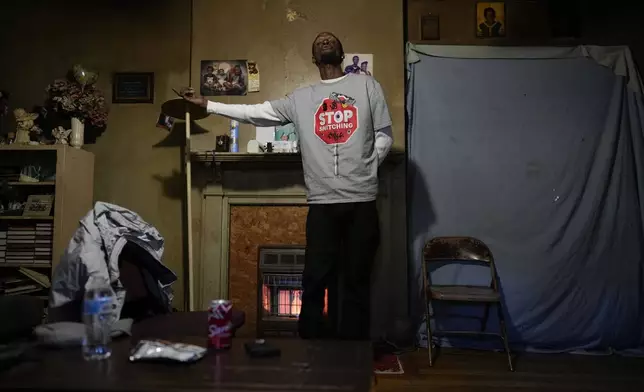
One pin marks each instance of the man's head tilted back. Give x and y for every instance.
(327, 50)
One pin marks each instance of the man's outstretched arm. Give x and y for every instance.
(261, 115)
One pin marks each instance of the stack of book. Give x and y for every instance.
(24, 282)
(29, 243)
(9, 173)
(17, 285)
(3, 244)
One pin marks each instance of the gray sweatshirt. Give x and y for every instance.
(339, 124)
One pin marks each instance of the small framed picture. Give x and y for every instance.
(490, 20)
(38, 205)
(224, 77)
(430, 28)
(133, 87)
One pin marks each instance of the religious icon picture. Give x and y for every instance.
(355, 63)
(490, 20)
(224, 77)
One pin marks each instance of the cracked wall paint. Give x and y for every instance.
(296, 70)
(293, 15)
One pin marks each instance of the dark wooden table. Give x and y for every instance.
(303, 365)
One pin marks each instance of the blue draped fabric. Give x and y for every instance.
(542, 159)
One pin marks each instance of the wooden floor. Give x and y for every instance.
(457, 370)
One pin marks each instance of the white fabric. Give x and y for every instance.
(260, 115)
(618, 58)
(383, 143)
(94, 250)
(334, 80)
(542, 160)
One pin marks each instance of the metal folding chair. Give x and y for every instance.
(469, 250)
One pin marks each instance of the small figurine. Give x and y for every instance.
(61, 135)
(24, 125)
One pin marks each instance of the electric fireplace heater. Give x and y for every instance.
(280, 290)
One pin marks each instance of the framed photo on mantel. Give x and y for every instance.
(133, 87)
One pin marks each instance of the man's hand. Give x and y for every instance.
(188, 93)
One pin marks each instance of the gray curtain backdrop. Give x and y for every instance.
(541, 158)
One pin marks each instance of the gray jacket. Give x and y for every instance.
(94, 251)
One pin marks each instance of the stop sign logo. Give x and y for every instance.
(336, 119)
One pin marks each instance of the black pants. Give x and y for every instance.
(341, 244)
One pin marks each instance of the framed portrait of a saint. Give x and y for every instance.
(490, 20)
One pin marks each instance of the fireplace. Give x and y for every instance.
(280, 290)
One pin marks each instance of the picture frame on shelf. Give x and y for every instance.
(430, 27)
(133, 87)
(38, 206)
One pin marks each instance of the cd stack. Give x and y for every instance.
(44, 241)
(3, 244)
(29, 243)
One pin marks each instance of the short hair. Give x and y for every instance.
(489, 9)
(331, 34)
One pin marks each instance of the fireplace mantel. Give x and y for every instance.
(210, 156)
(223, 181)
(220, 161)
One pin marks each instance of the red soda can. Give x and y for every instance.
(220, 324)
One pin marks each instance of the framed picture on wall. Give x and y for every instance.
(490, 19)
(430, 27)
(224, 77)
(133, 87)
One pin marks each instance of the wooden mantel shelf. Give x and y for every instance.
(261, 161)
(209, 157)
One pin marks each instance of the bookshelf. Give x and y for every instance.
(32, 241)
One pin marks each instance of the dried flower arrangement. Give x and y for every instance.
(81, 100)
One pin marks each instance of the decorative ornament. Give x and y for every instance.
(61, 135)
(24, 125)
(83, 76)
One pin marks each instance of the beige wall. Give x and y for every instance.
(282, 49)
(527, 22)
(137, 165)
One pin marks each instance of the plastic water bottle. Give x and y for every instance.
(98, 315)
(234, 136)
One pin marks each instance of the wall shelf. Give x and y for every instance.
(24, 265)
(248, 161)
(72, 186)
(41, 183)
(20, 217)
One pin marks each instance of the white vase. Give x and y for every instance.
(77, 137)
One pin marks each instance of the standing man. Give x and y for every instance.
(344, 128)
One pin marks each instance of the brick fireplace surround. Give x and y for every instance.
(249, 200)
(251, 227)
